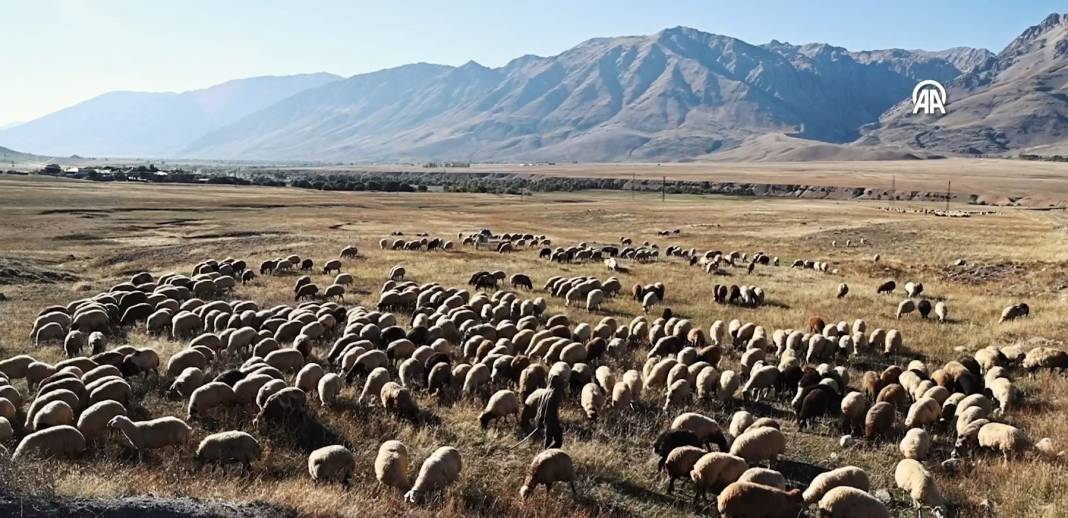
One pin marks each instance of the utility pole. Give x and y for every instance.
(663, 189)
(949, 193)
(893, 189)
(633, 183)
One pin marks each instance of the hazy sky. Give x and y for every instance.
(54, 53)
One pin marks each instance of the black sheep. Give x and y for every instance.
(670, 440)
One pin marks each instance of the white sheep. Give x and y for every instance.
(768, 477)
(208, 396)
(678, 393)
(705, 428)
(714, 470)
(329, 388)
(851, 476)
(1004, 438)
(55, 442)
(154, 433)
(308, 377)
(93, 422)
(189, 380)
(331, 464)
(912, 477)
(6, 430)
(922, 413)
(372, 387)
(740, 422)
(546, 468)
(391, 464)
(759, 443)
(679, 463)
(850, 502)
(439, 470)
(230, 446)
(501, 404)
(916, 444)
(592, 399)
(56, 413)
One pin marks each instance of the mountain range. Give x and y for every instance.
(676, 94)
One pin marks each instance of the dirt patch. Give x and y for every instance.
(982, 273)
(33, 506)
(235, 233)
(17, 271)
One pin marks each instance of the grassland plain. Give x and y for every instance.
(61, 240)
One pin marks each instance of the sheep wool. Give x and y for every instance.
(715, 470)
(749, 500)
(154, 433)
(912, 477)
(391, 464)
(592, 399)
(680, 461)
(331, 464)
(916, 444)
(767, 477)
(55, 442)
(850, 476)
(439, 470)
(850, 502)
(228, 447)
(547, 467)
(757, 444)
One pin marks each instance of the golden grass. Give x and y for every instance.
(103, 233)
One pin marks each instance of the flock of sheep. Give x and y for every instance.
(502, 348)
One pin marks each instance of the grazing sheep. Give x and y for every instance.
(501, 404)
(547, 467)
(391, 465)
(922, 413)
(229, 447)
(887, 287)
(399, 400)
(715, 470)
(912, 477)
(329, 387)
(767, 477)
(905, 307)
(372, 387)
(1045, 358)
(93, 423)
(152, 434)
(705, 428)
(331, 464)
(439, 470)
(1014, 311)
(850, 502)
(679, 462)
(592, 399)
(879, 421)
(760, 443)
(208, 396)
(55, 413)
(190, 379)
(850, 476)
(916, 444)
(1001, 437)
(749, 500)
(55, 442)
(843, 290)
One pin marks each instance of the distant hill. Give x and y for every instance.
(678, 94)
(149, 124)
(1011, 102)
(675, 94)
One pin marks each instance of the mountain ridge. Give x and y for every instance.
(676, 94)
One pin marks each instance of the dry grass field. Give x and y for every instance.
(62, 240)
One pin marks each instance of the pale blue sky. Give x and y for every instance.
(54, 53)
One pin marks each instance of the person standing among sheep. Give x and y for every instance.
(548, 417)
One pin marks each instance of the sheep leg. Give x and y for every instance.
(671, 486)
(574, 491)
